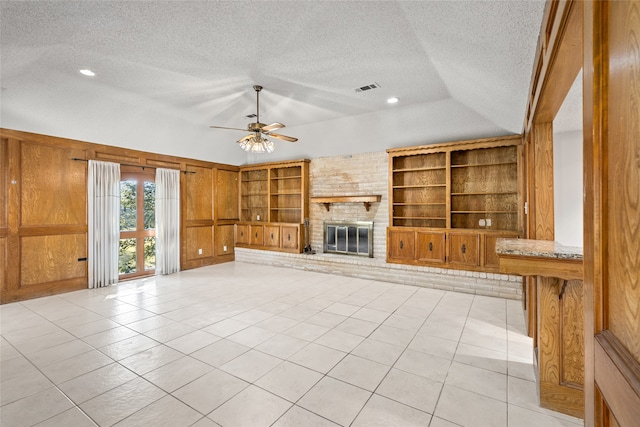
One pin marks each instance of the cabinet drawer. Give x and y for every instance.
(431, 247)
(272, 236)
(242, 234)
(290, 237)
(401, 245)
(464, 248)
(256, 237)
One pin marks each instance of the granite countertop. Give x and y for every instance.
(538, 249)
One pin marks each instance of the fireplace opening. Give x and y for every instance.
(349, 238)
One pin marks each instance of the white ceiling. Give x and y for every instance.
(166, 70)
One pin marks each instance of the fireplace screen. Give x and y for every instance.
(349, 238)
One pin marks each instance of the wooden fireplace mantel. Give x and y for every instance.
(366, 200)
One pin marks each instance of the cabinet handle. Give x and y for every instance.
(271, 236)
(401, 244)
(464, 249)
(242, 234)
(288, 236)
(430, 246)
(256, 234)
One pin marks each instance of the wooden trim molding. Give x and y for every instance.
(619, 376)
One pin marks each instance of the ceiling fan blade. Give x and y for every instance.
(222, 127)
(272, 126)
(283, 137)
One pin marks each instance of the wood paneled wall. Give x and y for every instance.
(43, 214)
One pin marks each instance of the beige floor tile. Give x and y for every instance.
(370, 315)
(169, 332)
(251, 407)
(282, 346)
(251, 336)
(342, 309)
(71, 417)
(390, 335)
(210, 391)
(478, 410)
(360, 372)
(128, 347)
(298, 417)
(423, 364)
(178, 373)
(289, 381)
(122, 401)
(277, 323)
(335, 400)
(165, 412)
(35, 408)
(522, 417)
(75, 366)
(251, 365)
(378, 351)
(439, 347)
(439, 422)
(360, 327)
(481, 357)
(412, 390)
(220, 352)
(192, 341)
(382, 412)
(324, 318)
(306, 331)
(340, 340)
(478, 380)
(94, 383)
(151, 359)
(317, 357)
(22, 386)
(109, 336)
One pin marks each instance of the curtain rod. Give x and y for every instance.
(126, 164)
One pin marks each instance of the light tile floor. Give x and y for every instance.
(239, 344)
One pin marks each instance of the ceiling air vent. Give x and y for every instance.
(367, 87)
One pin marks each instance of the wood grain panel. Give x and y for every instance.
(549, 344)
(401, 245)
(199, 238)
(291, 236)
(623, 258)
(4, 181)
(224, 235)
(117, 158)
(572, 334)
(3, 263)
(52, 258)
(242, 234)
(226, 195)
(431, 247)
(53, 187)
(543, 181)
(464, 248)
(272, 236)
(199, 193)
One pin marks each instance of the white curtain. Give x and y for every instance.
(103, 188)
(167, 221)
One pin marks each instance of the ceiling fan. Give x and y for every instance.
(255, 142)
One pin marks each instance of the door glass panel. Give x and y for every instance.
(128, 204)
(363, 240)
(127, 258)
(342, 239)
(149, 206)
(352, 240)
(149, 253)
(331, 238)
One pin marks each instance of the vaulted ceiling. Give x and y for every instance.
(167, 70)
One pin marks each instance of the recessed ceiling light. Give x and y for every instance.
(392, 100)
(87, 72)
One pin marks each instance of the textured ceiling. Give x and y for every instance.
(166, 70)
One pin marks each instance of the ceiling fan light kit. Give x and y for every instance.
(255, 142)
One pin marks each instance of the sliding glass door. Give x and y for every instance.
(137, 255)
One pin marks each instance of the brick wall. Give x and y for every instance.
(357, 175)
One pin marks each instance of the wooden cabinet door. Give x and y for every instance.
(464, 248)
(223, 238)
(401, 245)
(256, 236)
(272, 236)
(242, 234)
(431, 246)
(490, 258)
(290, 237)
(612, 213)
